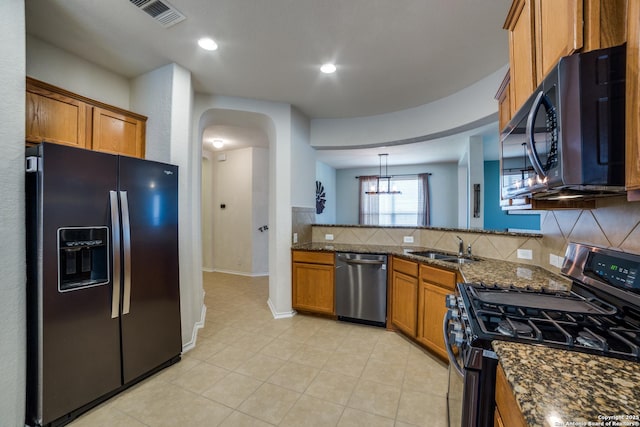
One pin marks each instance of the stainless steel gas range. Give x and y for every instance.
(599, 315)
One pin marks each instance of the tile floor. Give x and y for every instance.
(249, 369)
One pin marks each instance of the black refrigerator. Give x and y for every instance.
(102, 277)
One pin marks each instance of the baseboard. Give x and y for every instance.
(237, 273)
(194, 334)
(208, 270)
(277, 315)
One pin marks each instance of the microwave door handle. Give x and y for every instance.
(530, 132)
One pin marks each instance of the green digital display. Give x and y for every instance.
(616, 271)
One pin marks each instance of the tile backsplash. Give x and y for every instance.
(302, 219)
(615, 223)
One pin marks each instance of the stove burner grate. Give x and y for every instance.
(513, 328)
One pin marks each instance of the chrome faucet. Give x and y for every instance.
(460, 247)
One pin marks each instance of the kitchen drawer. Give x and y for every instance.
(314, 257)
(409, 268)
(438, 276)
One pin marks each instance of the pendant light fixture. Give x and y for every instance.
(383, 182)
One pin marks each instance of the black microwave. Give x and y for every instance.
(567, 140)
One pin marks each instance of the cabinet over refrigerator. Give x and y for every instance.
(103, 308)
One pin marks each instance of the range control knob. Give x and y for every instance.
(464, 316)
(455, 314)
(456, 326)
(457, 338)
(451, 301)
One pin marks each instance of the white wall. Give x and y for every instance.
(442, 185)
(476, 176)
(446, 116)
(303, 163)
(260, 210)
(12, 210)
(166, 96)
(275, 120)
(207, 211)
(231, 186)
(327, 176)
(63, 69)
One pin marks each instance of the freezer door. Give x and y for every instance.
(73, 342)
(151, 295)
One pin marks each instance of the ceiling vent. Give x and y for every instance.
(164, 13)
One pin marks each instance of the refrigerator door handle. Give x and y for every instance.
(115, 237)
(126, 240)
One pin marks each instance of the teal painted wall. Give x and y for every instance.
(494, 217)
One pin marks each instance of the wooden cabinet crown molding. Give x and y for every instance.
(34, 85)
(514, 13)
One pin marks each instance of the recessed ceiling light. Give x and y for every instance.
(328, 68)
(207, 44)
(218, 143)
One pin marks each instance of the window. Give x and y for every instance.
(408, 207)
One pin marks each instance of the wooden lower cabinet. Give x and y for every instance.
(434, 286)
(313, 278)
(507, 412)
(404, 296)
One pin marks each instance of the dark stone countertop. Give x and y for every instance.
(557, 388)
(491, 271)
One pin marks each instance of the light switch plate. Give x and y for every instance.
(525, 254)
(328, 237)
(408, 239)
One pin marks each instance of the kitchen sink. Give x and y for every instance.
(444, 256)
(459, 260)
(432, 254)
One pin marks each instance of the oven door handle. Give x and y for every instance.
(452, 358)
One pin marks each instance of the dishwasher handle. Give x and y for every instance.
(364, 261)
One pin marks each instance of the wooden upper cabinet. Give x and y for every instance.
(558, 29)
(117, 133)
(503, 96)
(55, 117)
(520, 24)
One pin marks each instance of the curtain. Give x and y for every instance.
(369, 203)
(424, 217)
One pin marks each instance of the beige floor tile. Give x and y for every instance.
(346, 364)
(206, 348)
(227, 335)
(311, 412)
(163, 404)
(376, 398)
(311, 356)
(358, 345)
(355, 418)
(294, 376)
(269, 403)
(260, 366)
(201, 377)
(332, 387)
(281, 348)
(106, 417)
(253, 342)
(325, 340)
(384, 372)
(422, 409)
(233, 389)
(230, 358)
(238, 419)
(174, 371)
(434, 380)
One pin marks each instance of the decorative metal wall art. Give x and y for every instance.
(321, 197)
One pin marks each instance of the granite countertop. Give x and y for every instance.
(565, 388)
(490, 271)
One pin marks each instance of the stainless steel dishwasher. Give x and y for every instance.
(361, 288)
